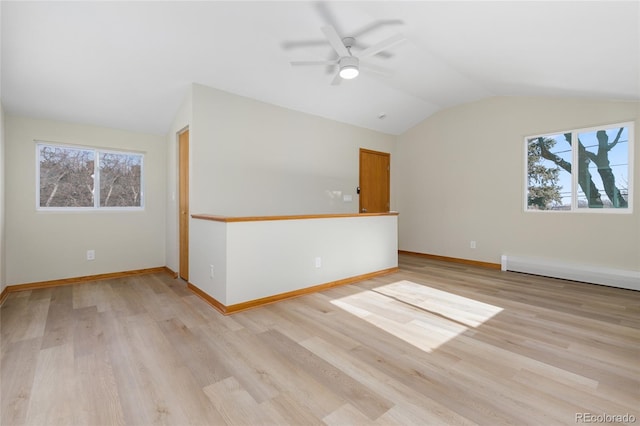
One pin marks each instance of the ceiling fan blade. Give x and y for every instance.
(375, 25)
(384, 44)
(303, 43)
(336, 80)
(297, 63)
(376, 69)
(335, 41)
(383, 54)
(327, 15)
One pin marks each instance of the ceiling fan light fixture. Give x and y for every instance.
(349, 67)
(349, 71)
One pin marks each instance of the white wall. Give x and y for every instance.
(210, 237)
(258, 259)
(274, 257)
(180, 122)
(2, 208)
(43, 246)
(462, 175)
(252, 158)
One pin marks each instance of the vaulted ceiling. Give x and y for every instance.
(129, 64)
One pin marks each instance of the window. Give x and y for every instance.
(71, 178)
(581, 170)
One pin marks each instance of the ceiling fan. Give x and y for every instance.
(348, 64)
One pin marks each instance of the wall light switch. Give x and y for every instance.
(91, 255)
(347, 198)
(318, 262)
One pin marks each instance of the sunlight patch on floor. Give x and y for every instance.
(420, 315)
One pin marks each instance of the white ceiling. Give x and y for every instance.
(128, 65)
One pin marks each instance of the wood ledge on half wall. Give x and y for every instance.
(218, 218)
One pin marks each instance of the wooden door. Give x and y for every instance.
(183, 189)
(375, 185)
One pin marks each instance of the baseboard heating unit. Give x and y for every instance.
(576, 272)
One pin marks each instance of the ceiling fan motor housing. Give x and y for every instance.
(348, 61)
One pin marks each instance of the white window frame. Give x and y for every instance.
(96, 182)
(574, 174)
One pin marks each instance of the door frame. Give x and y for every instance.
(183, 175)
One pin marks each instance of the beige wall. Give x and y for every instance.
(252, 158)
(2, 221)
(44, 246)
(461, 178)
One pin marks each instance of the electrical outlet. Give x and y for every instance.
(211, 271)
(472, 244)
(91, 255)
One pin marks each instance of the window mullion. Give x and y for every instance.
(96, 180)
(574, 171)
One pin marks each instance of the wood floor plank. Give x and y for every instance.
(126, 299)
(589, 400)
(266, 370)
(174, 399)
(98, 402)
(250, 376)
(235, 404)
(408, 414)
(346, 415)
(196, 352)
(87, 332)
(23, 321)
(137, 400)
(53, 396)
(418, 406)
(364, 399)
(285, 407)
(17, 371)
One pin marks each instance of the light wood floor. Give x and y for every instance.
(436, 343)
